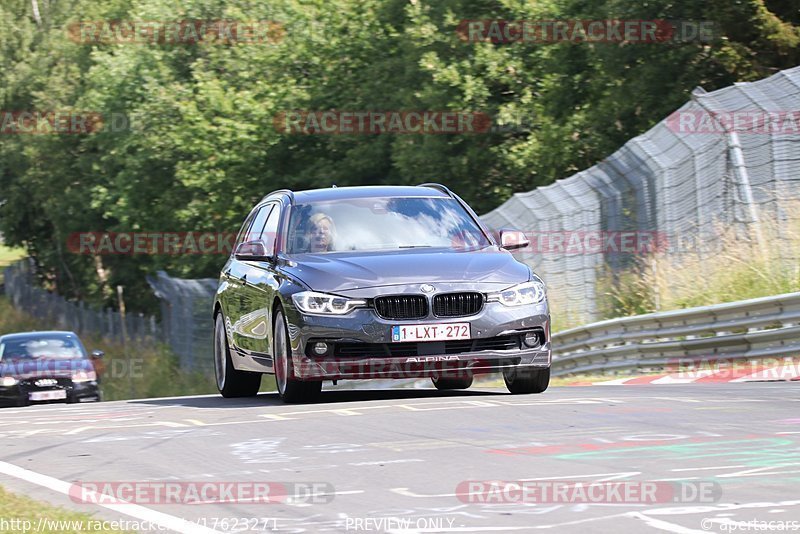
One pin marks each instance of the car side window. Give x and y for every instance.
(243, 231)
(253, 226)
(270, 231)
(257, 228)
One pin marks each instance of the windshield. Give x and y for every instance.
(371, 224)
(33, 348)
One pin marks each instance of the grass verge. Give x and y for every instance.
(727, 267)
(23, 514)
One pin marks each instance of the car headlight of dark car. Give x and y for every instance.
(315, 303)
(82, 375)
(8, 381)
(532, 292)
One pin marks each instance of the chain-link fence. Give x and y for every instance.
(726, 159)
(60, 314)
(186, 318)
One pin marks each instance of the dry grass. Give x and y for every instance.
(728, 268)
(22, 514)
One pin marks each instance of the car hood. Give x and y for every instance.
(348, 272)
(40, 368)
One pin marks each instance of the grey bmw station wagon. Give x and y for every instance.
(376, 282)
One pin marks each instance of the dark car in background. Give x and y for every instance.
(376, 282)
(42, 367)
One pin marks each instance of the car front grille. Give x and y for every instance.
(402, 307)
(459, 346)
(457, 304)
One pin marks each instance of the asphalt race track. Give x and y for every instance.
(402, 460)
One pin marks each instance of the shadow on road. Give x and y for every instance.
(325, 399)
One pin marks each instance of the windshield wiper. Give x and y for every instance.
(415, 246)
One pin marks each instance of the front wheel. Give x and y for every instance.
(230, 381)
(289, 388)
(523, 381)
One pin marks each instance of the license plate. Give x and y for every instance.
(48, 395)
(430, 332)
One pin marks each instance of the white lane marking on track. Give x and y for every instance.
(760, 471)
(80, 429)
(195, 422)
(167, 521)
(721, 507)
(289, 501)
(660, 524)
(707, 468)
(384, 462)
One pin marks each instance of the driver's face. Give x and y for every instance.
(321, 236)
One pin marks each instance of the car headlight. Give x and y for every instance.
(83, 376)
(323, 304)
(531, 292)
(8, 381)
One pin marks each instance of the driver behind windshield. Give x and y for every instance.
(321, 232)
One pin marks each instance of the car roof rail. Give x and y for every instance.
(287, 192)
(438, 187)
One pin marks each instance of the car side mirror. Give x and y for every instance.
(513, 239)
(98, 354)
(252, 251)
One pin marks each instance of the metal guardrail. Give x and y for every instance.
(767, 327)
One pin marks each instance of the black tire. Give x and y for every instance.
(290, 389)
(524, 381)
(443, 383)
(230, 381)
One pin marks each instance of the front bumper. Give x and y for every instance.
(424, 359)
(20, 394)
